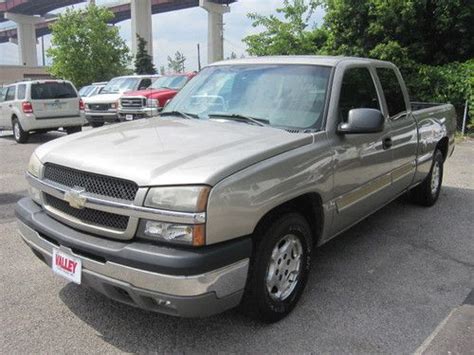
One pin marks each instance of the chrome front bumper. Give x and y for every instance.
(187, 296)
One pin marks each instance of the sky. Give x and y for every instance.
(182, 30)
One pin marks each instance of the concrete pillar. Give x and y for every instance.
(215, 29)
(26, 37)
(141, 24)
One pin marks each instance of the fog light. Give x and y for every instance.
(174, 233)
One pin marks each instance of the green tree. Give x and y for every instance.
(162, 70)
(289, 35)
(85, 48)
(176, 64)
(430, 40)
(143, 61)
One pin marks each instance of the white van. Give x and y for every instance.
(40, 106)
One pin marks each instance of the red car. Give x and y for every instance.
(149, 102)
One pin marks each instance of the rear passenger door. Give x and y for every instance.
(6, 109)
(3, 93)
(363, 163)
(54, 99)
(403, 128)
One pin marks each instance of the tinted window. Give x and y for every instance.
(145, 83)
(357, 91)
(52, 90)
(392, 91)
(21, 94)
(3, 93)
(10, 94)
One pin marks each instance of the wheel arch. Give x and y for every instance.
(443, 146)
(309, 205)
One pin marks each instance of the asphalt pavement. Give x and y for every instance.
(384, 286)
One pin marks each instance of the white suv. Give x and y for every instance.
(40, 106)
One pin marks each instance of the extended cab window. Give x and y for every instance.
(21, 94)
(357, 91)
(10, 94)
(392, 91)
(52, 90)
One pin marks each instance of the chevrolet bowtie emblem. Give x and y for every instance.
(75, 197)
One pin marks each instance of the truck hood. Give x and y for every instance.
(102, 98)
(161, 151)
(150, 92)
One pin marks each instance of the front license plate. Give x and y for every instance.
(67, 266)
(129, 117)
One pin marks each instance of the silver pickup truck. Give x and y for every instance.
(220, 201)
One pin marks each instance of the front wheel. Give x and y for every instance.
(20, 135)
(279, 268)
(427, 193)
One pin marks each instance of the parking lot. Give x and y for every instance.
(382, 286)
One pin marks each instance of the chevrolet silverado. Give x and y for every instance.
(221, 201)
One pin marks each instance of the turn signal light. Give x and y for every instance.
(27, 107)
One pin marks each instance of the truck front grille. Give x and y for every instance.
(92, 183)
(89, 216)
(99, 107)
(133, 102)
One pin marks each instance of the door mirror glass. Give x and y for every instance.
(362, 120)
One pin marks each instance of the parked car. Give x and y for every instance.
(40, 106)
(149, 102)
(103, 107)
(221, 200)
(93, 89)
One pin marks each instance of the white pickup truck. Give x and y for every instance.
(40, 106)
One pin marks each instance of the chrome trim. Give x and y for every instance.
(222, 282)
(120, 207)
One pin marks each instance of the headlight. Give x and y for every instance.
(113, 105)
(172, 233)
(178, 198)
(152, 103)
(34, 166)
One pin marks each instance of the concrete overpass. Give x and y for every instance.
(32, 20)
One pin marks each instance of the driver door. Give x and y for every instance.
(362, 161)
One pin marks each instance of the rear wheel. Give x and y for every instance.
(20, 135)
(75, 129)
(97, 124)
(279, 268)
(427, 193)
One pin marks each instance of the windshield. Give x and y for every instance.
(119, 85)
(175, 82)
(290, 96)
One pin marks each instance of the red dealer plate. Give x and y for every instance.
(67, 266)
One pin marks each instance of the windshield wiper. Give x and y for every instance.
(188, 116)
(239, 117)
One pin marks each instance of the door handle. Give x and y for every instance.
(387, 143)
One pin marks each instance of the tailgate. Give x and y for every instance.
(52, 99)
(55, 108)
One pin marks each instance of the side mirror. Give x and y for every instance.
(362, 120)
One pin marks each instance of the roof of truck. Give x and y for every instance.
(331, 61)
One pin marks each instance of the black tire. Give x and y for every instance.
(427, 193)
(75, 129)
(20, 135)
(97, 124)
(258, 301)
